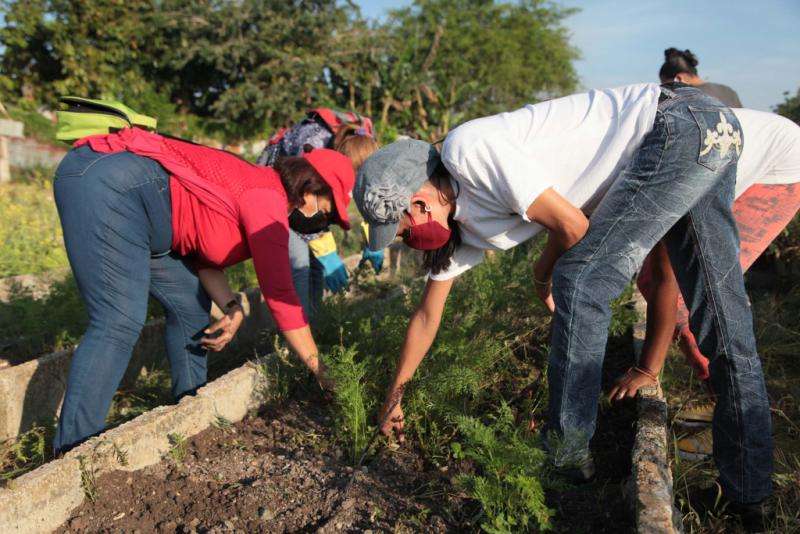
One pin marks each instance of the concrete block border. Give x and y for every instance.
(42, 500)
(651, 479)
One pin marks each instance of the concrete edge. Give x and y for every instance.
(651, 479)
(40, 501)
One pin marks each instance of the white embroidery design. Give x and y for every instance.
(724, 138)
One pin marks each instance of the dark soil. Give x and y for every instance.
(280, 471)
(276, 472)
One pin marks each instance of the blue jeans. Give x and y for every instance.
(116, 214)
(679, 187)
(307, 274)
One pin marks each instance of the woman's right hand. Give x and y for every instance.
(394, 423)
(628, 384)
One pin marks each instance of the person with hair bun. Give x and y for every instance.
(314, 258)
(681, 66)
(609, 174)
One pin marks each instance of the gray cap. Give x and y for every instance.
(385, 183)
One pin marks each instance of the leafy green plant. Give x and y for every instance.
(352, 405)
(88, 477)
(177, 449)
(510, 464)
(25, 452)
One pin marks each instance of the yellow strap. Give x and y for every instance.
(323, 245)
(365, 229)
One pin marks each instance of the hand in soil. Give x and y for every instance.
(219, 334)
(394, 423)
(628, 384)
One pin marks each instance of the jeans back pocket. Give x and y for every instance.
(721, 138)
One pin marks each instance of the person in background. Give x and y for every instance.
(681, 66)
(652, 165)
(762, 211)
(141, 212)
(314, 258)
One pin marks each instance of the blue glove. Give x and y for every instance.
(375, 257)
(334, 271)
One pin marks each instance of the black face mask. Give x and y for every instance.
(303, 224)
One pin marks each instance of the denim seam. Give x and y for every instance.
(162, 295)
(85, 169)
(583, 269)
(723, 339)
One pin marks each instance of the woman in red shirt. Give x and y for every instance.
(144, 212)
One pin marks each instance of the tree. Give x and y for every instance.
(244, 66)
(439, 62)
(84, 47)
(790, 107)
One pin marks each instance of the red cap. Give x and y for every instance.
(337, 171)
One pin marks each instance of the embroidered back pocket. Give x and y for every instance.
(721, 137)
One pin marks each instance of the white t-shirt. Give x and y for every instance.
(577, 145)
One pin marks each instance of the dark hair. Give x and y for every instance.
(438, 260)
(677, 62)
(299, 177)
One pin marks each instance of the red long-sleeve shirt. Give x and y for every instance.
(224, 210)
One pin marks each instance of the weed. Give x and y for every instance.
(26, 452)
(120, 454)
(88, 477)
(511, 462)
(177, 450)
(222, 424)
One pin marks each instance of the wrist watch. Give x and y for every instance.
(234, 303)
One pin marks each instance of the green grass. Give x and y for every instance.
(30, 236)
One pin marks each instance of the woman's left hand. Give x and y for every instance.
(628, 384)
(223, 330)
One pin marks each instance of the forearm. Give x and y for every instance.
(419, 337)
(661, 309)
(302, 343)
(216, 285)
(421, 332)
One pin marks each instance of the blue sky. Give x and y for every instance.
(750, 45)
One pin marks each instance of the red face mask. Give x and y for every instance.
(426, 236)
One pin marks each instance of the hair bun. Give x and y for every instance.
(690, 58)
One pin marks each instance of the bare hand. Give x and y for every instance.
(545, 294)
(225, 328)
(628, 384)
(394, 424)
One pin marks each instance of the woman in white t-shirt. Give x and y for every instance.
(651, 164)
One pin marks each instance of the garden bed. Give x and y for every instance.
(284, 470)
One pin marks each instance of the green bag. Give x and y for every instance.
(84, 116)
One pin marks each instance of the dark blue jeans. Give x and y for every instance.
(117, 219)
(680, 187)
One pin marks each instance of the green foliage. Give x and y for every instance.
(150, 390)
(26, 452)
(88, 477)
(352, 406)
(31, 233)
(511, 464)
(238, 70)
(790, 107)
(177, 449)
